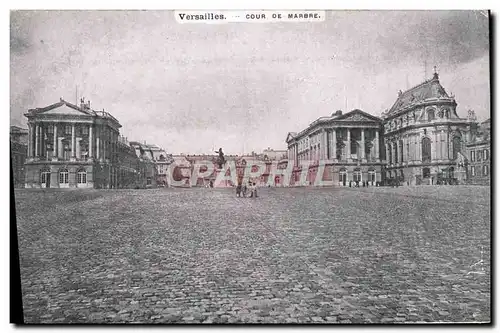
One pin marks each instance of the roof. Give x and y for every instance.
(426, 90)
(84, 110)
(17, 129)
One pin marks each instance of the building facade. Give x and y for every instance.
(424, 137)
(147, 166)
(71, 146)
(479, 155)
(18, 154)
(348, 146)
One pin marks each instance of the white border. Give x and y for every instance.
(214, 4)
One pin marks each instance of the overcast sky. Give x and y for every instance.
(240, 86)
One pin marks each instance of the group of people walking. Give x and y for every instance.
(243, 189)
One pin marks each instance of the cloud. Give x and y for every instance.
(243, 85)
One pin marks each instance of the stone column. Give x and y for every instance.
(30, 140)
(405, 151)
(362, 145)
(377, 153)
(419, 149)
(348, 145)
(447, 145)
(444, 156)
(37, 136)
(98, 143)
(325, 145)
(432, 136)
(334, 145)
(54, 151)
(395, 152)
(78, 151)
(60, 151)
(91, 141)
(40, 138)
(73, 141)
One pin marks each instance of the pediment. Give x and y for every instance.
(358, 115)
(289, 137)
(64, 110)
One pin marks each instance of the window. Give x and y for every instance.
(161, 168)
(457, 143)
(389, 154)
(426, 150)
(478, 156)
(44, 176)
(426, 172)
(472, 156)
(401, 151)
(430, 115)
(402, 175)
(371, 176)
(485, 155)
(357, 176)
(85, 130)
(67, 129)
(485, 170)
(50, 129)
(343, 176)
(473, 170)
(451, 172)
(81, 176)
(63, 176)
(148, 181)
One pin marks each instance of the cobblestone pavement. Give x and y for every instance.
(292, 255)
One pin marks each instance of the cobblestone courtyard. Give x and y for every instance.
(292, 255)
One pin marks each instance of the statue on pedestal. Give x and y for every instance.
(220, 160)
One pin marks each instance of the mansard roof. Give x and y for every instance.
(426, 90)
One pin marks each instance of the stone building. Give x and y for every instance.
(424, 137)
(18, 154)
(479, 155)
(147, 166)
(130, 173)
(345, 146)
(71, 146)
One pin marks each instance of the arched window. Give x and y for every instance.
(457, 144)
(426, 150)
(357, 175)
(63, 176)
(431, 115)
(45, 177)
(400, 151)
(371, 176)
(81, 176)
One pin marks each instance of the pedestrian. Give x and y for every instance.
(238, 190)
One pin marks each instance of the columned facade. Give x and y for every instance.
(62, 142)
(349, 151)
